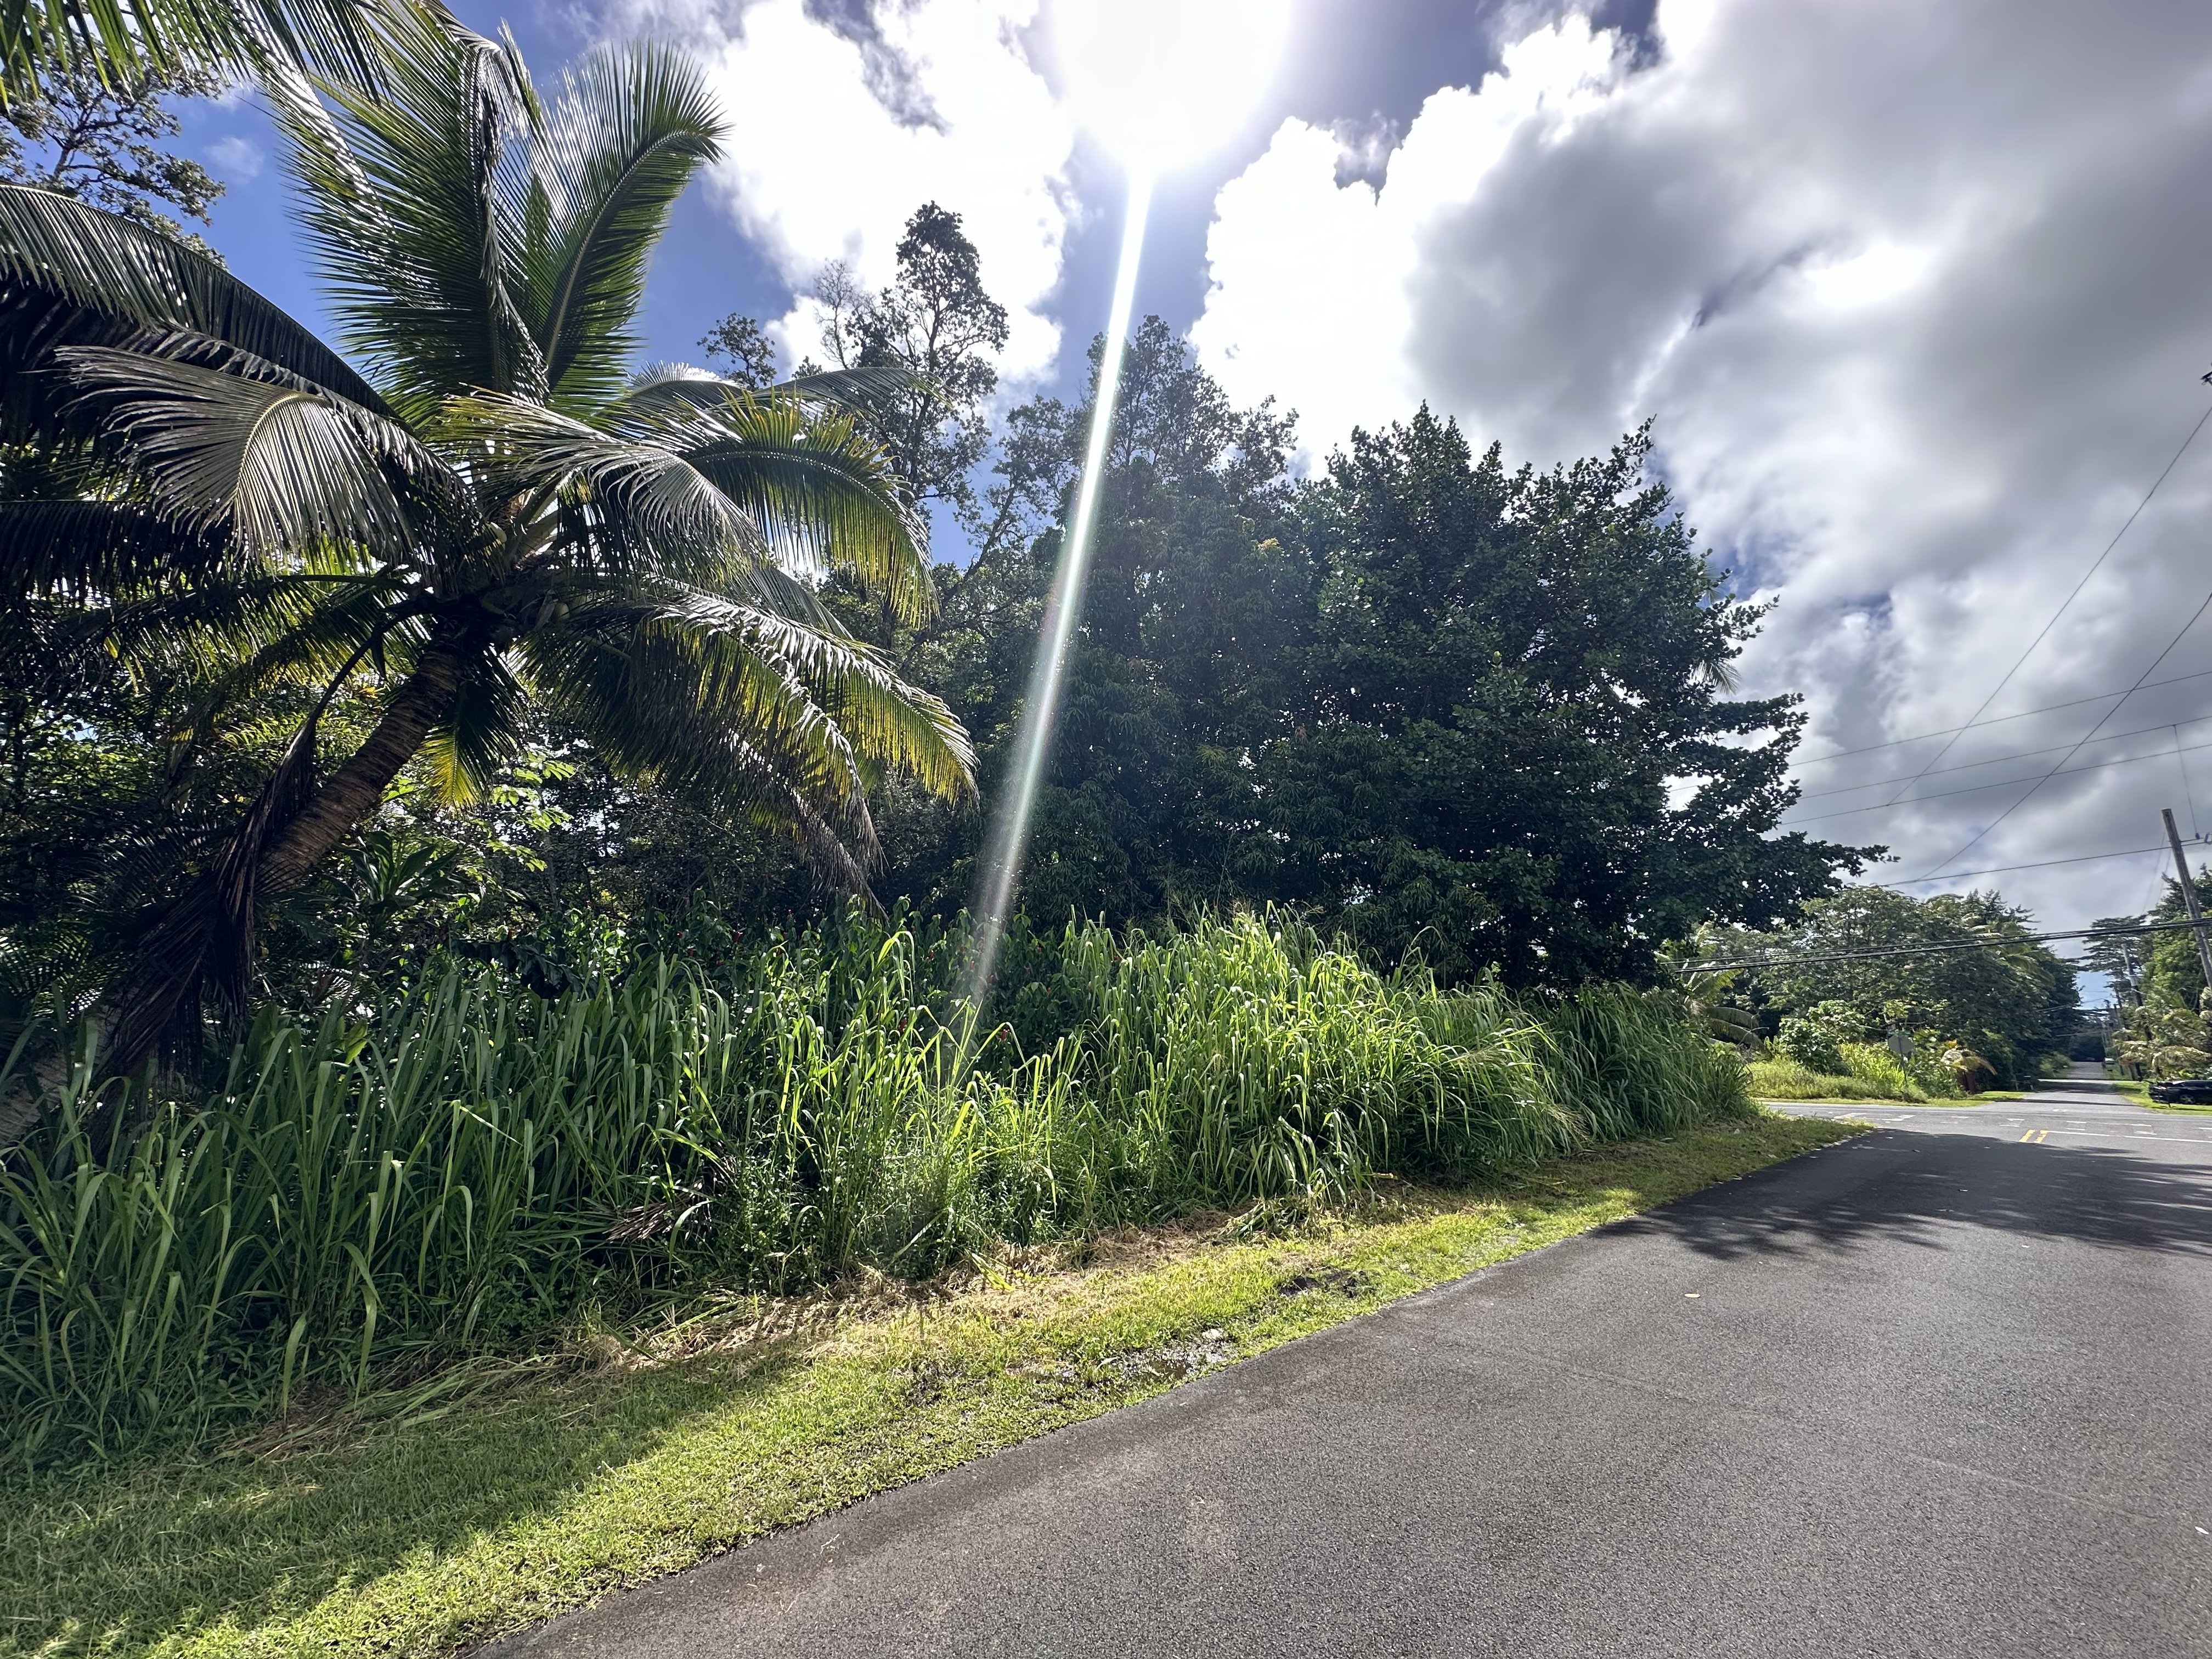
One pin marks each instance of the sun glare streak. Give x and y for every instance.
(1002, 864)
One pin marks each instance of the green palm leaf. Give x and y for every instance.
(84, 548)
(745, 665)
(413, 197)
(506, 517)
(283, 465)
(480, 735)
(122, 39)
(822, 490)
(71, 275)
(654, 509)
(660, 388)
(638, 700)
(630, 129)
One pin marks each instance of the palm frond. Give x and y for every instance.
(414, 199)
(294, 635)
(635, 701)
(659, 511)
(631, 127)
(822, 491)
(659, 387)
(479, 735)
(282, 466)
(813, 692)
(880, 718)
(84, 548)
(71, 275)
(125, 39)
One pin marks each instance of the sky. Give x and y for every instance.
(1916, 297)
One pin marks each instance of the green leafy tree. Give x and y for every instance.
(2169, 961)
(106, 145)
(2162, 1038)
(1185, 604)
(492, 514)
(2121, 954)
(738, 341)
(1964, 965)
(938, 325)
(1513, 741)
(1440, 706)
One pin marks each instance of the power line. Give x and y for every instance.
(2044, 632)
(1975, 839)
(2047, 709)
(2007, 783)
(1998, 760)
(1934, 950)
(2007, 869)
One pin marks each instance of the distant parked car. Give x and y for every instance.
(2183, 1091)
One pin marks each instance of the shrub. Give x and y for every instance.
(1783, 1078)
(472, 1165)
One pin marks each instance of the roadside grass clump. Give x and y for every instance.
(1783, 1078)
(1869, 1072)
(470, 1169)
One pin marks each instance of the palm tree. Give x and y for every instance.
(492, 512)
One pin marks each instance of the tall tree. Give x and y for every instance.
(2121, 955)
(1514, 742)
(739, 342)
(938, 325)
(1176, 670)
(106, 144)
(494, 512)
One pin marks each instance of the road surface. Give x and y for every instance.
(1945, 1389)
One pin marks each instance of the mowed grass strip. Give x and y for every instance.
(2140, 1093)
(429, 1535)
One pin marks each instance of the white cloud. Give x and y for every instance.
(844, 121)
(1916, 294)
(238, 157)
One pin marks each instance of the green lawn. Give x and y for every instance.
(421, 1534)
(2140, 1093)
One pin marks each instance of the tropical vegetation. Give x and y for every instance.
(2157, 1029)
(484, 823)
(496, 513)
(1875, 994)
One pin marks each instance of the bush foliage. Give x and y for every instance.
(471, 1165)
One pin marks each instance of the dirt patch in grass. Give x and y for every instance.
(497, 1496)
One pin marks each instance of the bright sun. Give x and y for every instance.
(1161, 81)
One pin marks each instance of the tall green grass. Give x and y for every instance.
(363, 1200)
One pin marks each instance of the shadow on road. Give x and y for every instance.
(1920, 1184)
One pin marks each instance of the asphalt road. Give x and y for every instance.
(1945, 1389)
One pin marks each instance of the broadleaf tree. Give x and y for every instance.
(1445, 707)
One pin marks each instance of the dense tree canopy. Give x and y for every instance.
(1442, 706)
(1445, 706)
(1959, 964)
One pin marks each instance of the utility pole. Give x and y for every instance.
(2189, 897)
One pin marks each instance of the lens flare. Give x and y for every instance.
(1160, 82)
(1002, 862)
